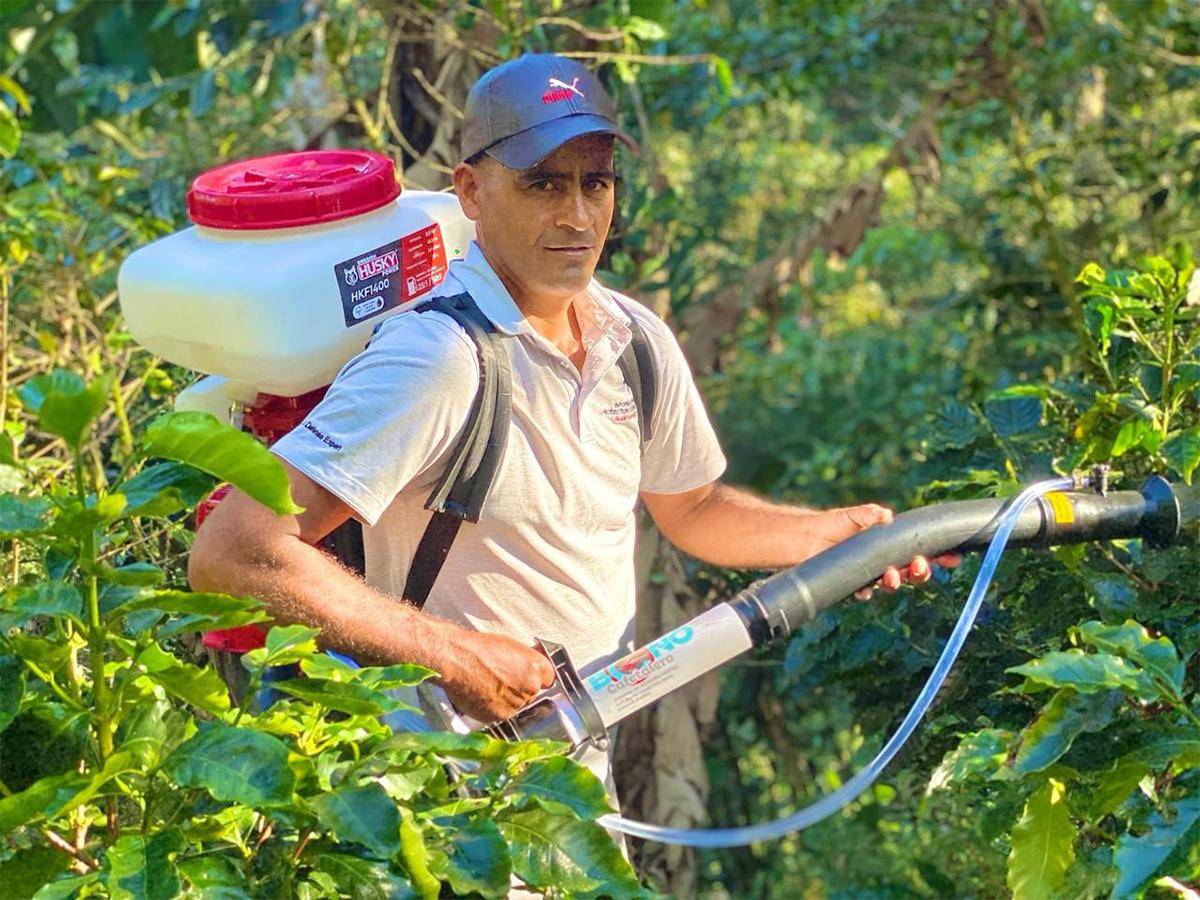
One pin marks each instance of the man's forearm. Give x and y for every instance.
(737, 529)
(300, 584)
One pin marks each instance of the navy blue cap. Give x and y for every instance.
(522, 111)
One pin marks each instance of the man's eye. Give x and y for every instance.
(543, 187)
(596, 184)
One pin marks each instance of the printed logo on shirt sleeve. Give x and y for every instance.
(322, 436)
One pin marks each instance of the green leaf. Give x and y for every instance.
(56, 599)
(574, 856)
(564, 787)
(236, 765)
(1131, 641)
(470, 746)
(66, 888)
(12, 685)
(1115, 785)
(981, 754)
(165, 489)
(384, 678)
(1064, 718)
(23, 516)
(214, 877)
(346, 697)
(137, 574)
(1182, 452)
(1139, 859)
(64, 404)
(202, 94)
(284, 645)
(1011, 416)
(45, 797)
(203, 688)
(724, 74)
(475, 861)
(416, 856)
(362, 814)
(28, 870)
(201, 440)
(1087, 673)
(363, 879)
(1043, 844)
(199, 610)
(141, 868)
(956, 425)
(10, 132)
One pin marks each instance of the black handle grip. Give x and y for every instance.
(774, 606)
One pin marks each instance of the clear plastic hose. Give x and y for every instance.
(826, 806)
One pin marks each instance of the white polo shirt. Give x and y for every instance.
(552, 555)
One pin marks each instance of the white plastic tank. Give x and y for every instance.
(292, 262)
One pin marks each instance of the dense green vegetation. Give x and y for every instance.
(914, 250)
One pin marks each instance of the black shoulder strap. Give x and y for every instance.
(460, 493)
(638, 368)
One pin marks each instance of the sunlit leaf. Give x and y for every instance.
(201, 440)
(1043, 844)
(978, 755)
(1066, 716)
(1131, 641)
(575, 856)
(64, 404)
(347, 697)
(56, 599)
(562, 786)
(203, 688)
(415, 855)
(284, 645)
(1087, 673)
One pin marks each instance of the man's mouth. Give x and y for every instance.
(572, 250)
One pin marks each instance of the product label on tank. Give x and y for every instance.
(380, 279)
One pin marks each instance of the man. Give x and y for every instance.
(552, 555)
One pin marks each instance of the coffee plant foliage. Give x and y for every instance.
(126, 772)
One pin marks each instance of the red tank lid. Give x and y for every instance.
(287, 190)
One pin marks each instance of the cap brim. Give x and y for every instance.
(529, 147)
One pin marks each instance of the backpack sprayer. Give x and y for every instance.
(295, 258)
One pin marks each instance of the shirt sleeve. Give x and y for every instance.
(684, 452)
(393, 412)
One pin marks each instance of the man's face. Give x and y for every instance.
(543, 228)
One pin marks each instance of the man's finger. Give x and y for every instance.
(949, 560)
(864, 593)
(891, 579)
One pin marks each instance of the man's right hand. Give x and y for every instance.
(494, 676)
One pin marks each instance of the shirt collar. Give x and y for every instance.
(598, 314)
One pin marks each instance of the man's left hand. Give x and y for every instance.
(850, 520)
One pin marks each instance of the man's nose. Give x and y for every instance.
(573, 211)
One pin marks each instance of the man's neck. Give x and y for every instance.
(551, 317)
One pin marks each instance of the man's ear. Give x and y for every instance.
(466, 186)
